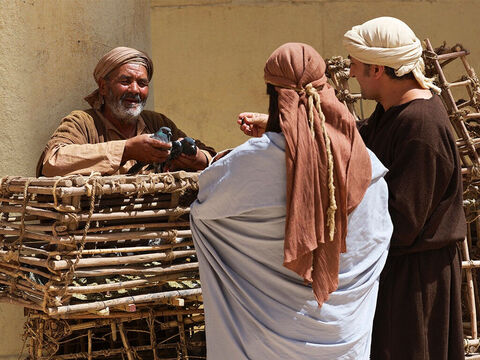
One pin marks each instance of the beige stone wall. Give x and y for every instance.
(209, 54)
(48, 51)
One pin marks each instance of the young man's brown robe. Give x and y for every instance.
(419, 312)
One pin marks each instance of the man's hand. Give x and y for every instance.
(252, 124)
(195, 162)
(146, 149)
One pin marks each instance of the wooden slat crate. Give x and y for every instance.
(114, 248)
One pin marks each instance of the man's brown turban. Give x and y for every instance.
(112, 60)
(328, 166)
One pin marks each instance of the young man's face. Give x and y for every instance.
(361, 72)
(126, 91)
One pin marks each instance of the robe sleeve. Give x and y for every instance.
(69, 151)
(417, 180)
(71, 159)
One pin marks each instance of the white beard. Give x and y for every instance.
(127, 114)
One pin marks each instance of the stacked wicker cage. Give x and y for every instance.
(461, 98)
(104, 265)
(338, 72)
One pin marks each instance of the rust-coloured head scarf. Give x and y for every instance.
(319, 196)
(112, 60)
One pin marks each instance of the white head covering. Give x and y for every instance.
(389, 42)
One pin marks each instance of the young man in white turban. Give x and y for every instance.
(418, 313)
(115, 132)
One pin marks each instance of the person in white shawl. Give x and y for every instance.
(252, 219)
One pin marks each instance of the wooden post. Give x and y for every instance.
(470, 289)
(153, 337)
(113, 327)
(126, 345)
(40, 339)
(89, 344)
(181, 332)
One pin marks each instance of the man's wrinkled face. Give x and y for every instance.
(126, 91)
(361, 72)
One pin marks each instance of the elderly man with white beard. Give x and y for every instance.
(115, 132)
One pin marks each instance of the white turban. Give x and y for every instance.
(389, 42)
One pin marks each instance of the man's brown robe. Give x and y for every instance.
(85, 141)
(419, 312)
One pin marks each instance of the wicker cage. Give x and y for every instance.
(115, 248)
(461, 98)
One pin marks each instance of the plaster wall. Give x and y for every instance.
(49, 49)
(209, 54)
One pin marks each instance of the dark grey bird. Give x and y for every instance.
(164, 135)
(185, 146)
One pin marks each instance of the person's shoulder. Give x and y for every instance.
(423, 117)
(234, 184)
(155, 120)
(259, 153)
(426, 122)
(425, 112)
(267, 146)
(154, 116)
(266, 142)
(81, 115)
